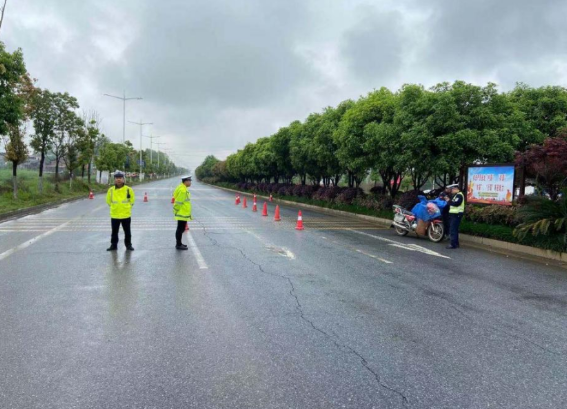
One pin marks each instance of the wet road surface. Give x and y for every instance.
(344, 314)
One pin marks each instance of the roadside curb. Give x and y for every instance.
(476, 241)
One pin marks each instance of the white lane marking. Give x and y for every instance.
(288, 253)
(196, 252)
(28, 243)
(374, 257)
(282, 251)
(410, 247)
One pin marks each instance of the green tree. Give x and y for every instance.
(44, 121)
(87, 142)
(16, 93)
(280, 147)
(205, 170)
(350, 136)
(16, 152)
(66, 123)
(545, 110)
(298, 153)
(472, 124)
(76, 133)
(325, 145)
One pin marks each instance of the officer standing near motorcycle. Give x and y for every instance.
(182, 210)
(445, 211)
(456, 212)
(120, 198)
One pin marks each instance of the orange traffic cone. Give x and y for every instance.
(271, 198)
(145, 197)
(172, 199)
(237, 200)
(244, 205)
(91, 195)
(277, 214)
(265, 209)
(187, 226)
(299, 225)
(254, 207)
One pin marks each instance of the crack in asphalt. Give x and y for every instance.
(299, 309)
(495, 329)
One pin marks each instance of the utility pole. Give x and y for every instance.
(158, 144)
(141, 126)
(124, 99)
(151, 149)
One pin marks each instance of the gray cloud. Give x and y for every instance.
(217, 74)
(374, 47)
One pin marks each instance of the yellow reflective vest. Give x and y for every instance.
(460, 208)
(120, 201)
(182, 204)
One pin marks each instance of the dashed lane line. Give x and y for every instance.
(28, 243)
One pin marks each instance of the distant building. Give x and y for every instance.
(31, 163)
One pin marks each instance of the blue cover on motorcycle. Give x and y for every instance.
(440, 203)
(426, 213)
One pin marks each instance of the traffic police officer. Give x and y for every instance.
(182, 209)
(445, 212)
(456, 212)
(120, 198)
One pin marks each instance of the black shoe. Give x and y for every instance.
(181, 247)
(130, 248)
(451, 248)
(112, 248)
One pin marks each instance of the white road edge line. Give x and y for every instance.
(410, 247)
(196, 252)
(374, 257)
(28, 243)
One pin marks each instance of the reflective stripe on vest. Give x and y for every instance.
(460, 208)
(115, 201)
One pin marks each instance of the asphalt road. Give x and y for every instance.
(344, 314)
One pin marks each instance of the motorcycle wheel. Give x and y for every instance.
(436, 232)
(400, 231)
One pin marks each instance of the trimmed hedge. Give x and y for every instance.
(493, 222)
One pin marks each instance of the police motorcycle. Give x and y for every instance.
(430, 221)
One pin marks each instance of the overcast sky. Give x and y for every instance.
(216, 74)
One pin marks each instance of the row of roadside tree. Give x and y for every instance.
(53, 125)
(414, 133)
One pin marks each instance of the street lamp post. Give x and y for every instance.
(141, 126)
(158, 144)
(124, 99)
(151, 149)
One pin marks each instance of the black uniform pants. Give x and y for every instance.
(455, 223)
(179, 232)
(127, 232)
(446, 221)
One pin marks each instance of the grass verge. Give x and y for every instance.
(29, 196)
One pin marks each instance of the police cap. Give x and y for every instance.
(118, 174)
(185, 178)
(452, 186)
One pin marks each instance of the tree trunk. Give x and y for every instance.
(41, 161)
(523, 182)
(56, 169)
(15, 178)
(83, 171)
(89, 174)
